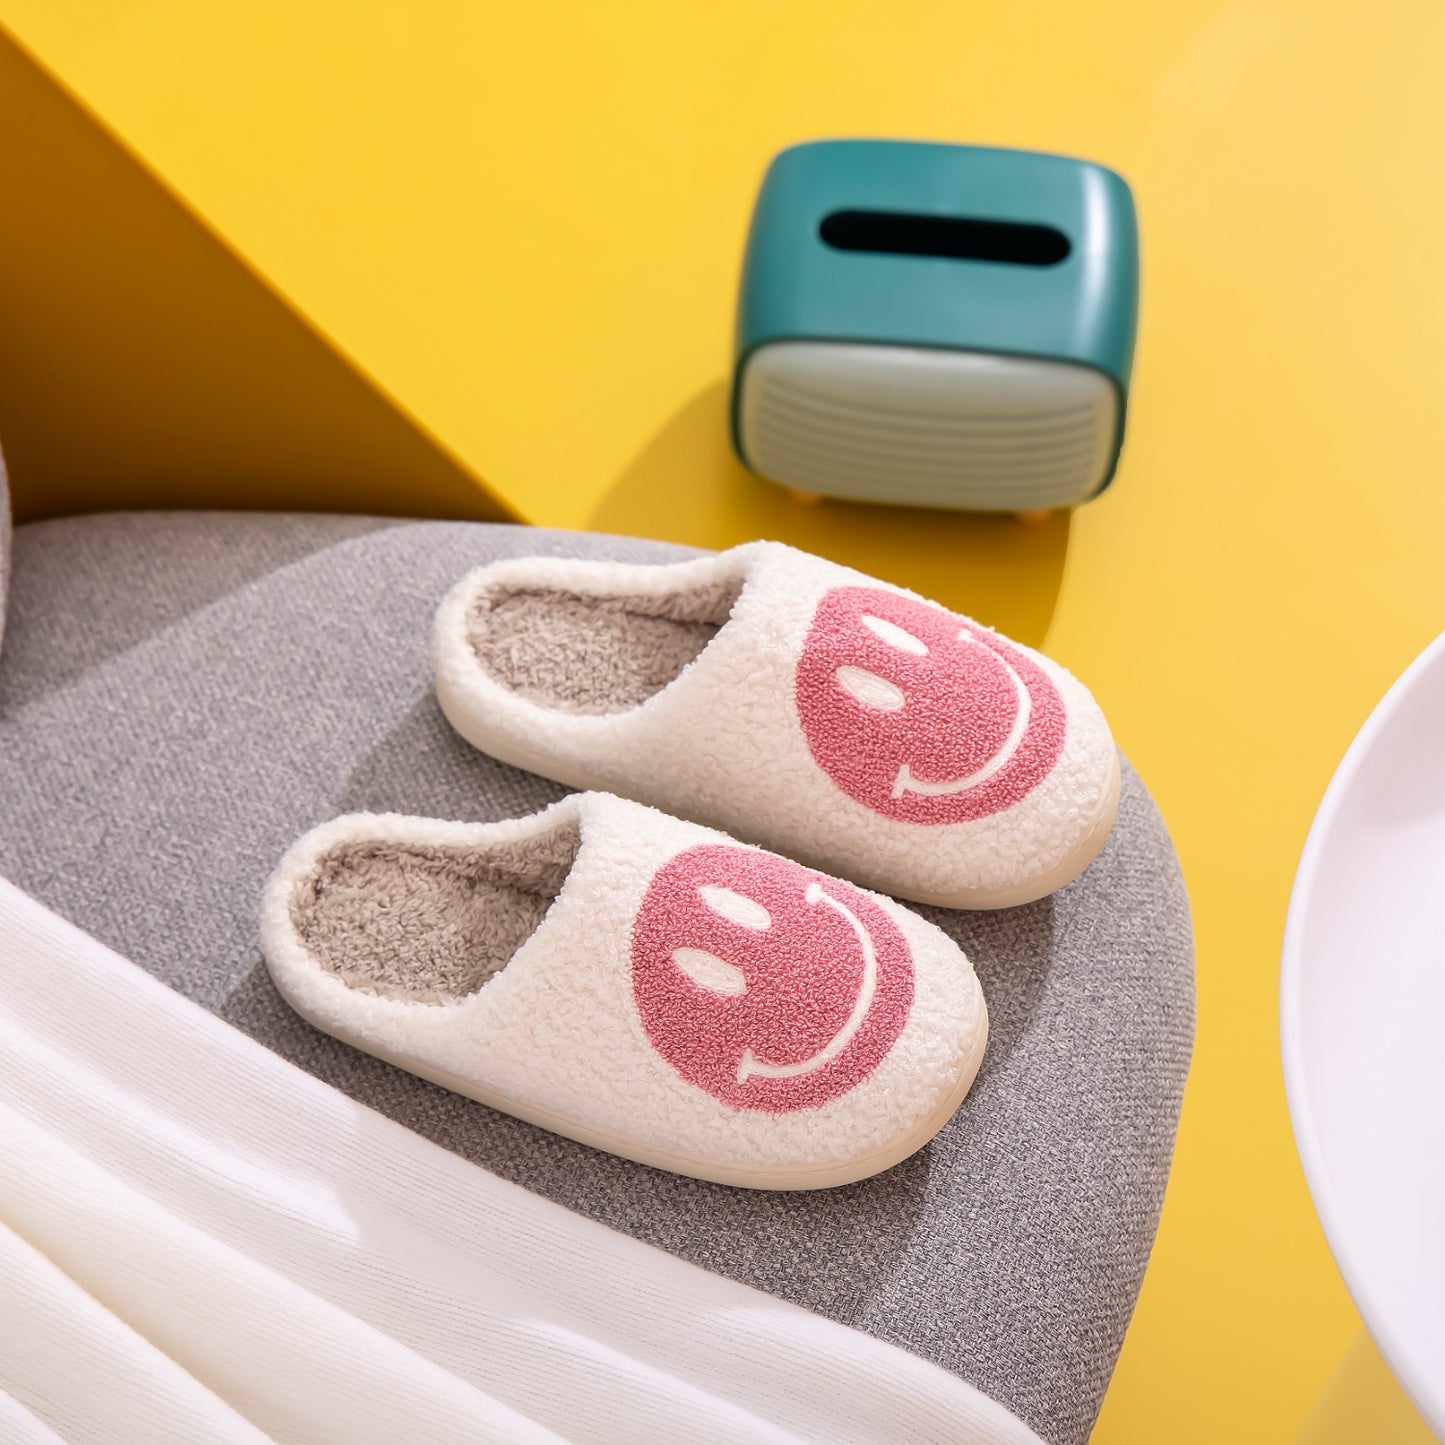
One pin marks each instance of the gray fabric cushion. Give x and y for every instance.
(181, 696)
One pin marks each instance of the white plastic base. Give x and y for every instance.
(927, 428)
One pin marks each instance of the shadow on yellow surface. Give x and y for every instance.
(1362, 1403)
(687, 486)
(142, 364)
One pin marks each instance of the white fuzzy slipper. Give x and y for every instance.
(635, 982)
(794, 703)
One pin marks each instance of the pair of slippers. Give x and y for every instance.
(653, 987)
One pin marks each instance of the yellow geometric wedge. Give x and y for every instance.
(142, 363)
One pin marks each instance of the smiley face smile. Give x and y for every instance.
(920, 715)
(907, 783)
(764, 984)
(751, 1064)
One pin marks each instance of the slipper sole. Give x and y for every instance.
(817, 1176)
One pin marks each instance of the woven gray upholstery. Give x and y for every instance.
(182, 695)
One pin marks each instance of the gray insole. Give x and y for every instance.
(593, 655)
(429, 924)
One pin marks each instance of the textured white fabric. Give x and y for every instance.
(19, 1427)
(68, 1358)
(238, 1248)
(723, 744)
(557, 1031)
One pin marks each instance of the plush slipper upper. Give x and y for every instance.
(635, 981)
(793, 702)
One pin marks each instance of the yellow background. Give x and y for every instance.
(521, 227)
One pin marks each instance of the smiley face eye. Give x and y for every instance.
(870, 689)
(894, 635)
(709, 971)
(735, 907)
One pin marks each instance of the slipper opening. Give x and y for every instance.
(593, 655)
(427, 923)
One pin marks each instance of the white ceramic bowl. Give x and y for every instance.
(1362, 1022)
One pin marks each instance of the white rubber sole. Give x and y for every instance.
(803, 1176)
(1064, 871)
(509, 750)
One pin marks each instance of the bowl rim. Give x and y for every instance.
(1428, 1397)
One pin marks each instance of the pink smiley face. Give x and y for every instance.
(766, 984)
(921, 715)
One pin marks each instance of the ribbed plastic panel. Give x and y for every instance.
(927, 428)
